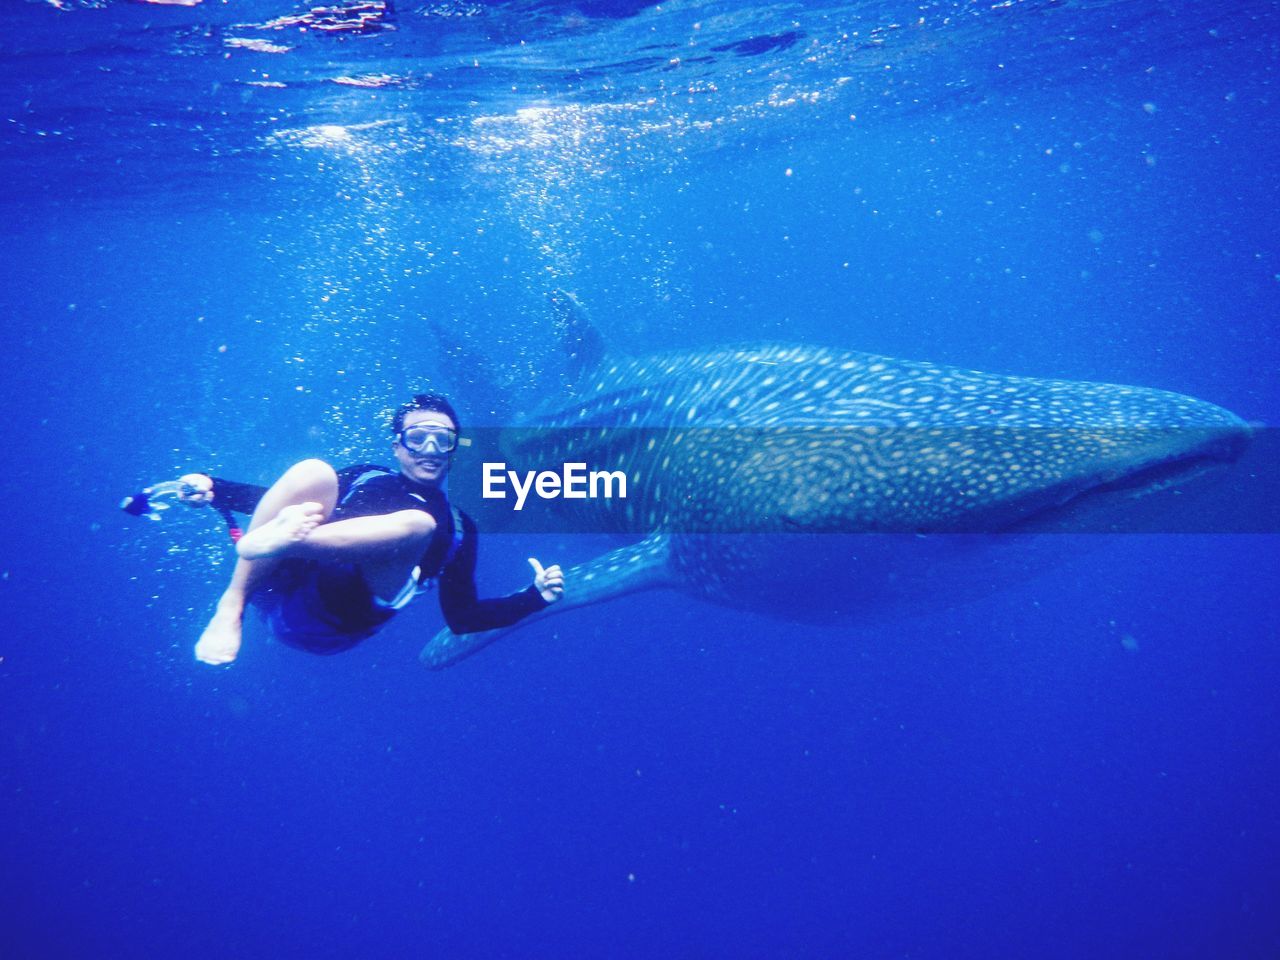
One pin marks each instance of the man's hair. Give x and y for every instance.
(424, 401)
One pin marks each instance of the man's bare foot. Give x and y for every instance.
(220, 641)
(291, 525)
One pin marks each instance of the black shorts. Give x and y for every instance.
(319, 606)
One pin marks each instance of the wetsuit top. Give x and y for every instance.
(366, 490)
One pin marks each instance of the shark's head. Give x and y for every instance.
(1115, 444)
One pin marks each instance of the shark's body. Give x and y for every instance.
(744, 461)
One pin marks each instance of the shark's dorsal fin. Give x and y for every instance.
(463, 366)
(581, 340)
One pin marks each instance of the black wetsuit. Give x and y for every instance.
(325, 606)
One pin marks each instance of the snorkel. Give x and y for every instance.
(152, 501)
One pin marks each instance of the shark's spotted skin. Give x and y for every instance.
(780, 437)
(836, 441)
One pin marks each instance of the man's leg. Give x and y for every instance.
(309, 488)
(385, 545)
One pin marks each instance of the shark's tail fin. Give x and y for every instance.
(582, 341)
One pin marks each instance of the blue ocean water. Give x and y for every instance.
(235, 234)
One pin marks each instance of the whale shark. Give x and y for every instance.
(816, 484)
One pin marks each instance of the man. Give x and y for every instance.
(330, 556)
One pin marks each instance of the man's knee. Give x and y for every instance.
(314, 472)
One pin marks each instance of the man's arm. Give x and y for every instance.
(229, 494)
(236, 496)
(463, 610)
(243, 497)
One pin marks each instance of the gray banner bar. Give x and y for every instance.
(866, 479)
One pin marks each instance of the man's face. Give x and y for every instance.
(430, 466)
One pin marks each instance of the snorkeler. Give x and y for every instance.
(330, 556)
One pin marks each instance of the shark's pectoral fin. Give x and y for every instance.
(641, 566)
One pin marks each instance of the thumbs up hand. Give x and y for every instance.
(549, 580)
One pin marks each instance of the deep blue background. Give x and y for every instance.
(1083, 764)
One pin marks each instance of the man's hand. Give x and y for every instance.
(202, 489)
(549, 581)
